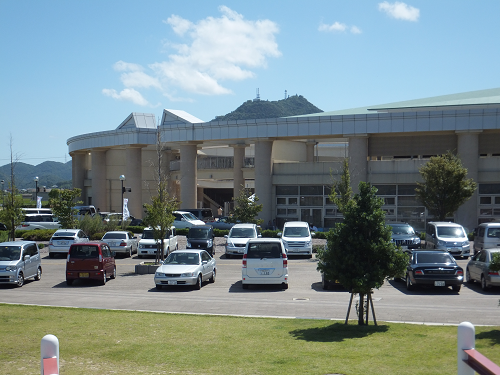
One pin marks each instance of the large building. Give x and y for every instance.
(290, 162)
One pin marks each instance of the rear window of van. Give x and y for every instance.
(84, 251)
(264, 250)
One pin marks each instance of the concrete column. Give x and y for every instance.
(239, 162)
(358, 164)
(188, 175)
(133, 180)
(78, 167)
(468, 152)
(99, 189)
(263, 178)
(310, 151)
(199, 196)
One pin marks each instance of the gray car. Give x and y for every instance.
(121, 242)
(478, 269)
(405, 236)
(19, 260)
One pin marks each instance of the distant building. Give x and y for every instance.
(290, 161)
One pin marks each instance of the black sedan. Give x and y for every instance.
(433, 268)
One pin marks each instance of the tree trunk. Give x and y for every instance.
(361, 308)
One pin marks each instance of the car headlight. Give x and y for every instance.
(159, 274)
(188, 274)
(230, 244)
(416, 240)
(308, 243)
(441, 243)
(188, 244)
(465, 243)
(209, 244)
(141, 246)
(11, 268)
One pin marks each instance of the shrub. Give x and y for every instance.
(267, 233)
(320, 235)
(38, 235)
(96, 236)
(182, 231)
(91, 225)
(4, 236)
(136, 229)
(220, 232)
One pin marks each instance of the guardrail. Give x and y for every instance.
(469, 360)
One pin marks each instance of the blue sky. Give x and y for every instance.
(75, 67)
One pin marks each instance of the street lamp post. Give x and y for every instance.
(36, 190)
(3, 193)
(122, 178)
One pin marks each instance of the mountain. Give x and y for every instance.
(49, 173)
(257, 109)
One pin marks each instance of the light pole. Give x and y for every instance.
(3, 192)
(36, 190)
(122, 178)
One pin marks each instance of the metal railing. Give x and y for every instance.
(469, 360)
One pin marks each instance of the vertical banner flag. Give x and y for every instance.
(126, 214)
(38, 202)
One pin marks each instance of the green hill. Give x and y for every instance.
(49, 173)
(291, 106)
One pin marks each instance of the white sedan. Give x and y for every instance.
(121, 242)
(186, 267)
(62, 239)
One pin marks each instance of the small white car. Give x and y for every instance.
(185, 219)
(297, 238)
(62, 239)
(238, 237)
(264, 262)
(121, 242)
(148, 245)
(186, 267)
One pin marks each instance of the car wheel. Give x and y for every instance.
(198, 283)
(484, 285)
(244, 286)
(310, 256)
(20, 280)
(38, 274)
(139, 256)
(469, 279)
(456, 288)
(284, 285)
(158, 286)
(69, 282)
(409, 285)
(130, 252)
(103, 282)
(113, 276)
(51, 255)
(212, 279)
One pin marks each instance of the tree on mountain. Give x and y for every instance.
(445, 187)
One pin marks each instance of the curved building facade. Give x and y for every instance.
(290, 162)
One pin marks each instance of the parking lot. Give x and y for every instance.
(305, 297)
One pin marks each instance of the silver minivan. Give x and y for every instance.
(447, 236)
(486, 235)
(19, 260)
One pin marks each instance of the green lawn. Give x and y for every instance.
(119, 342)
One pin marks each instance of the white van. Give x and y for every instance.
(148, 245)
(486, 235)
(447, 236)
(297, 238)
(184, 219)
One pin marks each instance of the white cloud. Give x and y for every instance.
(339, 27)
(400, 11)
(129, 95)
(213, 50)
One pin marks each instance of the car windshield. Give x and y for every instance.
(434, 258)
(242, 233)
(84, 251)
(450, 232)
(179, 258)
(402, 229)
(64, 234)
(114, 236)
(149, 235)
(198, 233)
(493, 233)
(296, 232)
(263, 250)
(190, 216)
(10, 253)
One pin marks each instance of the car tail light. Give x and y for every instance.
(123, 243)
(244, 263)
(285, 261)
(419, 272)
(460, 273)
(493, 273)
(25, 225)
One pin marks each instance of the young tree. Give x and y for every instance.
(12, 215)
(246, 208)
(445, 187)
(62, 203)
(341, 190)
(159, 213)
(360, 253)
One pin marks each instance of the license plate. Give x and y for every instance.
(63, 242)
(172, 282)
(264, 272)
(84, 274)
(439, 283)
(112, 244)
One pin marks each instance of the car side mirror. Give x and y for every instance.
(113, 254)
(279, 234)
(225, 236)
(259, 235)
(26, 257)
(204, 262)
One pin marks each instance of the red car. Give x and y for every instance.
(90, 260)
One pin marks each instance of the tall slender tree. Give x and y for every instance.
(62, 203)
